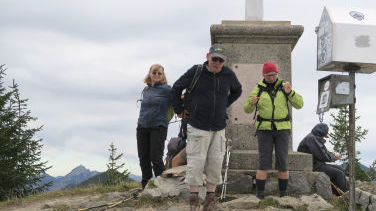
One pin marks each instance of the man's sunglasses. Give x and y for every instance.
(217, 59)
(155, 73)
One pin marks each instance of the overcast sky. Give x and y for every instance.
(81, 64)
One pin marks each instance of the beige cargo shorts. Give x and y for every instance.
(205, 153)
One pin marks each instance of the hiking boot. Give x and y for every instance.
(194, 202)
(144, 183)
(260, 195)
(210, 203)
(282, 194)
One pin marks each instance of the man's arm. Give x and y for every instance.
(235, 91)
(319, 151)
(178, 87)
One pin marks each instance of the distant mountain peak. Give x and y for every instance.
(80, 168)
(76, 176)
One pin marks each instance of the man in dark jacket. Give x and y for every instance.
(216, 89)
(313, 144)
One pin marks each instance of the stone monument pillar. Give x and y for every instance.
(249, 44)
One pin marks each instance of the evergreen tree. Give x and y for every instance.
(360, 174)
(21, 168)
(339, 136)
(113, 174)
(372, 171)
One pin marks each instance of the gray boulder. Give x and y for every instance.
(171, 184)
(362, 198)
(315, 202)
(323, 187)
(299, 183)
(247, 202)
(371, 207)
(239, 183)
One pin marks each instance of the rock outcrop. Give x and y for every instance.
(309, 188)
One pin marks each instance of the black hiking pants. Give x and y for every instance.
(336, 175)
(150, 146)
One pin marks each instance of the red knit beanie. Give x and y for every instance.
(269, 67)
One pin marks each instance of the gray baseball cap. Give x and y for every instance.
(217, 50)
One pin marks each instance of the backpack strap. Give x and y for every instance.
(189, 90)
(261, 89)
(195, 78)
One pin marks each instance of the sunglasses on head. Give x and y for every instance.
(217, 59)
(155, 73)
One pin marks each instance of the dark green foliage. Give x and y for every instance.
(360, 174)
(99, 179)
(372, 171)
(20, 153)
(342, 204)
(113, 174)
(340, 132)
(339, 135)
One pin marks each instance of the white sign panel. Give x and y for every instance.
(343, 88)
(324, 99)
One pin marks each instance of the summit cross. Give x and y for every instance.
(254, 10)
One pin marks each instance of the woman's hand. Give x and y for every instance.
(254, 100)
(287, 87)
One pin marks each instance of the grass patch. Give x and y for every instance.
(269, 202)
(302, 208)
(146, 201)
(71, 192)
(341, 204)
(61, 207)
(151, 184)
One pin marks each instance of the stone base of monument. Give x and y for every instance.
(300, 182)
(248, 159)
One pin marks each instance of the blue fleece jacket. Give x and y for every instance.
(154, 107)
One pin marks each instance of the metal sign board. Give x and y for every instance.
(335, 91)
(344, 36)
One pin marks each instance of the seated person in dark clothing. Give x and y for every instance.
(313, 144)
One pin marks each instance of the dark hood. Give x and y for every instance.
(320, 130)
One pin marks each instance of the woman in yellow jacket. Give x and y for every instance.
(270, 98)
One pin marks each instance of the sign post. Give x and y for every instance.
(351, 141)
(343, 44)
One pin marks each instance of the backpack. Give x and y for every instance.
(176, 144)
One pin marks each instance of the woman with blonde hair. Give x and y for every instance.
(153, 123)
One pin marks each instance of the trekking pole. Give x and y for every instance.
(224, 185)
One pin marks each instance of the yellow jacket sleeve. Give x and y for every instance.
(248, 107)
(170, 113)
